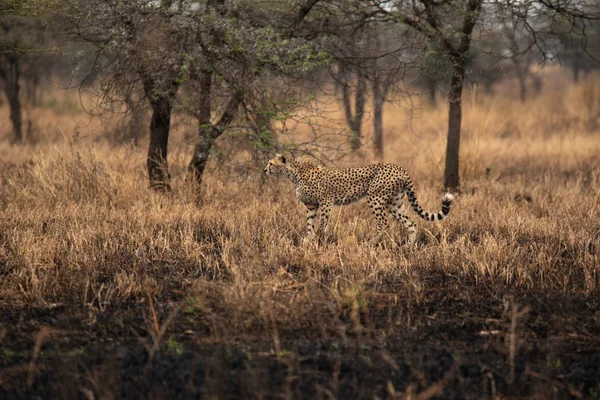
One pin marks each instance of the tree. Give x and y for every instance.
(218, 51)
(132, 128)
(244, 50)
(10, 74)
(520, 55)
(21, 36)
(436, 22)
(432, 71)
(368, 62)
(129, 51)
(352, 84)
(386, 68)
(451, 25)
(578, 46)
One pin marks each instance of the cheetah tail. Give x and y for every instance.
(427, 216)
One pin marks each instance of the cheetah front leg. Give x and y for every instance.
(377, 205)
(311, 214)
(396, 207)
(325, 208)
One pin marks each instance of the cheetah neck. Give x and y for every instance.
(298, 169)
(291, 174)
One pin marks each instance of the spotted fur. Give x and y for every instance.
(384, 185)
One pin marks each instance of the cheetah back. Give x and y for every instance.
(346, 185)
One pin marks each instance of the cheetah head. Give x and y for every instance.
(277, 165)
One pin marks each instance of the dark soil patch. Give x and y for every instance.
(447, 347)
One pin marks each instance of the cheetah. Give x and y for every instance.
(383, 184)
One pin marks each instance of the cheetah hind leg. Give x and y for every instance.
(396, 207)
(378, 208)
(324, 230)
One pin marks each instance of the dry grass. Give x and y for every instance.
(79, 229)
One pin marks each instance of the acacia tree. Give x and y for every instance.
(368, 64)
(387, 66)
(435, 20)
(352, 83)
(451, 25)
(217, 50)
(242, 52)
(520, 55)
(134, 43)
(21, 40)
(221, 64)
(10, 71)
(432, 71)
(578, 46)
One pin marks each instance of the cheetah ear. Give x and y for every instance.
(283, 159)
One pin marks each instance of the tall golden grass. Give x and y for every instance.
(79, 226)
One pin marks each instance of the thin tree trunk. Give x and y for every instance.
(158, 169)
(459, 58)
(208, 132)
(32, 88)
(379, 98)
(350, 118)
(135, 124)
(359, 107)
(522, 78)
(451, 173)
(205, 128)
(12, 90)
(353, 120)
(431, 91)
(201, 155)
(381, 87)
(135, 129)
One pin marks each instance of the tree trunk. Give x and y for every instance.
(12, 90)
(379, 98)
(355, 136)
(201, 155)
(451, 173)
(522, 78)
(134, 130)
(459, 59)
(136, 123)
(359, 107)
(378, 126)
(205, 130)
(158, 170)
(209, 132)
(354, 121)
(431, 89)
(32, 88)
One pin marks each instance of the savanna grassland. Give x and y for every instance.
(110, 290)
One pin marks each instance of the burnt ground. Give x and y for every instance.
(446, 347)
